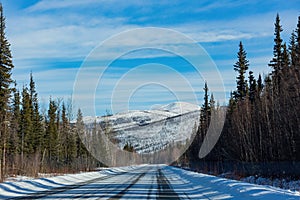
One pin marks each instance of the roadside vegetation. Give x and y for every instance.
(261, 134)
(32, 141)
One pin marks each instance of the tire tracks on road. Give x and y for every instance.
(165, 191)
(123, 192)
(57, 190)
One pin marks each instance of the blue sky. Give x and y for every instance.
(52, 38)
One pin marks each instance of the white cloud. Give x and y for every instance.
(116, 5)
(35, 34)
(60, 4)
(247, 27)
(74, 34)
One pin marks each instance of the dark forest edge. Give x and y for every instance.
(262, 126)
(33, 142)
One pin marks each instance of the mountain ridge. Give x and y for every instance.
(151, 130)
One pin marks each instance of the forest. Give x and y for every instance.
(32, 141)
(262, 126)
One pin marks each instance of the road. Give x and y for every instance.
(160, 182)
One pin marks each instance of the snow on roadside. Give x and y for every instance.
(13, 188)
(232, 189)
(283, 183)
(192, 184)
(18, 178)
(293, 185)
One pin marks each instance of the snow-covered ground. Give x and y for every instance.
(141, 182)
(213, 187)
(150, 130)
(20, 186)
(293, 185)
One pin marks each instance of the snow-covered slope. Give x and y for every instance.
(150, 130)
(177, 107)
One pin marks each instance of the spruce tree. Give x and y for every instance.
(26, 128)
(252, 87)
(6, 67)
(241, 66)
(292, 49)
(212, 103)
(68, 138)
(51, 132)
(232, 102)
(205, 112)
(13, 140)
(259, 84)
(276, 62)
(285, 60)
(16, 110)
(297, 48)
(36, 118)
(79, 134)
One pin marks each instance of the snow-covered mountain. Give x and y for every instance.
(150, 130)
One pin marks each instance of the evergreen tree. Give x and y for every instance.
(16, 110)
(13, 140)
(276, 62)
(268, 85)
(232, 102)
(80, 134)
(51, 132)
(297, 48)
(259, 84)
(68, 138)
(292, 49)
(241, 66)
(26, 128)
(285, 59)
(36, 118)
(33, 95)
(6, 66)
(59, 147)
(15, 120)
(205, 112)
(212, 103)
(252, 87)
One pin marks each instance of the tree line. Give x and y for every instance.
(32, 142)
(263, 114)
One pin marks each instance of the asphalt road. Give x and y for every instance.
(160, 182)
(145, 182)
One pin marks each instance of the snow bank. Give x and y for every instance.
(11, 189)
(186, 184)
(293, 185)
(212, 187)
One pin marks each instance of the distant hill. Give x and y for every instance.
(150, 130)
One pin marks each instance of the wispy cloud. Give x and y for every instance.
(60, 4)
(112, 5)
(75, 35)
(68, 30)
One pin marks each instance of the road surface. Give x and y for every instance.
(159, 182)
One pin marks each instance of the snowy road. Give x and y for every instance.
(140, 182)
